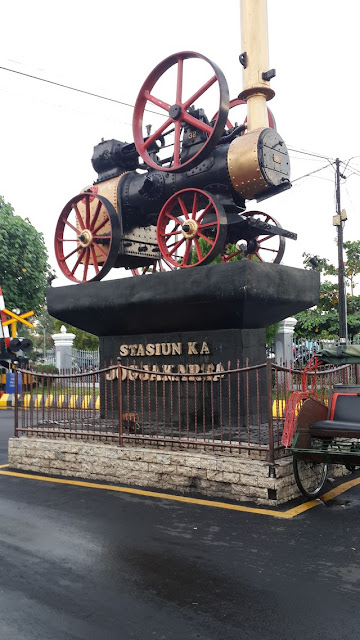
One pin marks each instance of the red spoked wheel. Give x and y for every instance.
(231, 122)
(87, 238)
(263, 247)
(158, 266)
(191, 229)
(201, 136)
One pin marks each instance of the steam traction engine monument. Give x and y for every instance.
(173, 203)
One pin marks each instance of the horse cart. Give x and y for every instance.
(322, 433)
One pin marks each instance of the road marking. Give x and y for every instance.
(287, 515)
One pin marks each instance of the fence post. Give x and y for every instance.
(270, 415)
(16, 409)
(119, 374)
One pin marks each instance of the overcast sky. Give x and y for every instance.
(47, 133)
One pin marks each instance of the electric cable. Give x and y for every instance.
(66, 86)
(306, 175)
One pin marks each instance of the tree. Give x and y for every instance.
(24, 268)
(352, 264)
(323, 320)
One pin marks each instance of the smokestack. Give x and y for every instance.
(255, 61)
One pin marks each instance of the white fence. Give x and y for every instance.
(82, 360)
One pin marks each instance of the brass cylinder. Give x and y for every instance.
(254, 42)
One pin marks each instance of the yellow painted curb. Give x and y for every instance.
(287, 515)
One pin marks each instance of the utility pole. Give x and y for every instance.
(339, 221)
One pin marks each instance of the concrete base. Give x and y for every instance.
(229, 476)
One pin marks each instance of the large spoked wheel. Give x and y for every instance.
(191, 229)
(189, 148)
(263, 247)
(237, 112)
(87, 238)
(310, 476)
(158, 266)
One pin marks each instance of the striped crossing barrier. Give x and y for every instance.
(50, 401)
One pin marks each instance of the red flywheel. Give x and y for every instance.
(178, 110)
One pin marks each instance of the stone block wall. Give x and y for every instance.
(228, 476)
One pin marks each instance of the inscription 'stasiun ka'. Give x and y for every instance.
(164, 349)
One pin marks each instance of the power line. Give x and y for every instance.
(306, 175)
(309, 153)
(65, 86)
(354, 170)
(126, 104)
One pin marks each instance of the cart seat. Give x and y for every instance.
(335, 428)
(344, 419)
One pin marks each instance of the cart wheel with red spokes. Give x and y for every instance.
(87, 238)
(158, 266)
(231, 121)
(191, 229)
(263, 247)
(181, 113)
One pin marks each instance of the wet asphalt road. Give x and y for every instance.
(79, 563)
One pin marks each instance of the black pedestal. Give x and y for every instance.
(189, 321)
(245, 294)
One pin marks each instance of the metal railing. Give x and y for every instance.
(222, 410)
(234, 409)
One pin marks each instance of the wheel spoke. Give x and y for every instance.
(157, 133)
(102, 250)
(171, 217)
(71, 253)
(264, 239)
(86, 264)
(100, 226)
(94, 259)
(268, 249)
(157, 101)
(183, 207)
(176, 162)
(171, 233)
(199, 92)
(87, 215)
(179, 81)
(187, 252)
(206, 210)
(201, 235)
(96, 215)
(78, 262)
(207, 224)
(176, 246)
(198, 124)
(79, 218)
(71, 226)
(258, 256)
(198, 250)
(195, 204)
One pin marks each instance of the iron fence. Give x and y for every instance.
(233, 409)
(227, 409)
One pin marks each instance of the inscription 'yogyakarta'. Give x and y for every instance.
(169, 372)
(164, 349)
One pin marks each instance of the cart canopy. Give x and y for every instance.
(345, 354)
